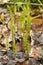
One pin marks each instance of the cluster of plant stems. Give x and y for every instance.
(25, 23)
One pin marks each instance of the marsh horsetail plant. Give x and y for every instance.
(28, 27)
(12, 27)
(24, 20)
(25, 25)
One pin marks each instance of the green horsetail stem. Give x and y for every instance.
(12, 27)
(25, 17)
(28, 28)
